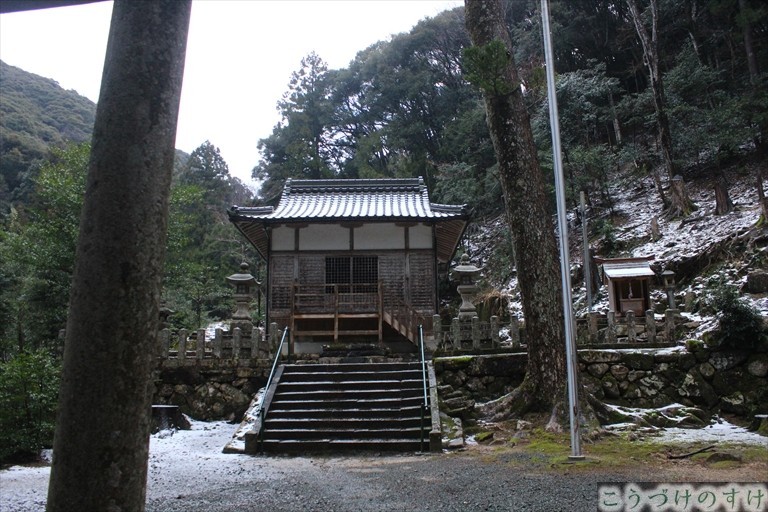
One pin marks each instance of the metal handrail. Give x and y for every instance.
(269, 383)
(425, 404)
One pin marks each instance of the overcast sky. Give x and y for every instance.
(240, 55)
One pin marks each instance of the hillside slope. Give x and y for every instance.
(36, 114)
(706, 251)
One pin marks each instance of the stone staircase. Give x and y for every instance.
(347, 407)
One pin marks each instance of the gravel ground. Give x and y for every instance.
(188, 472)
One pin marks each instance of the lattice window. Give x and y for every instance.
(356, 274)
(365, 273)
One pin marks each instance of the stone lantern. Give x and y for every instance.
(669, 284)
(465, 274)
(244, 284)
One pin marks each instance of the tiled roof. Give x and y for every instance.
(354, 199)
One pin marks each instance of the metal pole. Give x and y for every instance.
(587, 262)
(563, 229)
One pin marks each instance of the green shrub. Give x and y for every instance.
(29, 384)
(740, 323)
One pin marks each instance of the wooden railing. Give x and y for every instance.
(336, 298)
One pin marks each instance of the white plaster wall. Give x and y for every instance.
(324, 237)
(379, 236)
(282, 239)
(420, 237)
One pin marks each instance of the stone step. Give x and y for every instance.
(343, 445)
(345, 395)
(351, 367)
(346, 425)
(394, 402)
(350, 385)
(347, 407)
(352, 413)
(311, 376)
(342, 433)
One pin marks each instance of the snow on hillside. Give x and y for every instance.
(703, 244)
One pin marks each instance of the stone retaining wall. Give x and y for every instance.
(718, 381)
(210, 389)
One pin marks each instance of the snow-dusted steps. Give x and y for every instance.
(346, 407)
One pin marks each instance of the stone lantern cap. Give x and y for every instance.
(243, 278)
(669, 277)
(465, 270)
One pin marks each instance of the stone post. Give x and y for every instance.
(274, 336)
(217, 341)
(476, 333)
(495, 331)
(200, 346)
(437, 330)
(456, 333)
(514, 331)
(237, 335)
(631, 332)
(670, 317)
(650, 326)
(182, 344)
(610, 332)
(592, 326)
(165, 343)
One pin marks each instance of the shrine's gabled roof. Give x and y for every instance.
(623, 268)
(353, 199)
(370, 200)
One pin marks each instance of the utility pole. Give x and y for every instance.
(562, 226)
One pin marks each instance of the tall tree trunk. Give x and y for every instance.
(102, 430)
(536, 255)
(680, 203)
(754, 70)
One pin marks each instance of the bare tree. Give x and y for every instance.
(535, 248)
(680, 203)
(102, 432)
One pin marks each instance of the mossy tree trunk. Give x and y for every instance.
(536, 254)
(101, 442)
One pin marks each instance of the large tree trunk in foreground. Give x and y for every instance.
(536, 255)
(102, 431)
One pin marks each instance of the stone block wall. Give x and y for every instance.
(718, 381)
(210, 389)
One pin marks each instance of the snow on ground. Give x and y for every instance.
(720, 431)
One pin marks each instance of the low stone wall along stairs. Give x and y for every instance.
(344, 407)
